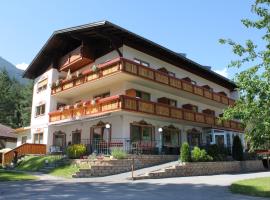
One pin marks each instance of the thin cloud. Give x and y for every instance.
(22, 66)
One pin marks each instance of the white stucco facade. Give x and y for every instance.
(120, 121)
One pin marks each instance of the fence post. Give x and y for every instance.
(132, 168)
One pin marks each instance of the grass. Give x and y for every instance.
(253, 187)
(15, 176)
(65, 171)
(34, 163)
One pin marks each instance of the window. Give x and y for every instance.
(40, 110)
(141, 132)
(143, 95)
(76, 137)
(194, 137)
(101, 96)
(100, 132)
(141, 62)
(38, 138)
(209, 112)
(164, 70)
(24, 139)
(170, 102)
(42, 85)
(171, 136)
(190, 107)
(60, 105)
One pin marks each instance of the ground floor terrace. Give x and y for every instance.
(134, 133)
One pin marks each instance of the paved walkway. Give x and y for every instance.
(117, 187)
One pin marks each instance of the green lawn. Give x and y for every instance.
(254, 187)
(15, 176)
(65, 171)
(34, 163)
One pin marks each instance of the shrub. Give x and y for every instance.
(185, 153)
(217, 153)
(118, 153)
(200, 155)
(76, 150)
(237, 149)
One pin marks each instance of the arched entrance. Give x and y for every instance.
(142, 137)
(171, 139)
(59, 139)
(194, 137)
(100, 132)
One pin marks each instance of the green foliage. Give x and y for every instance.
(35, 163)
(76, 150)
(65, 171)
(185, 153)
(255, 187)
(252, 108)
(118, 153)
(15, 101)
(217, 153)
(237, 149)
(200, 155)
(15, 176)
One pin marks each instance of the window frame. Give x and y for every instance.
(39, 137)
(43, 87)
(141, 62)
(38, 114)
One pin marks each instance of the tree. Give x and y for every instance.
(15, 101)
(252, 107)
(185, 153)
(237, 149)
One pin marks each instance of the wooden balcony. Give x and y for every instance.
(75, 59)
(127, 103)
(132, 68)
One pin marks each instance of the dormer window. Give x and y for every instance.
(190, 107)
(141, 62)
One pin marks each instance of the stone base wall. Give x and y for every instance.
(206, 168)
(97, 168)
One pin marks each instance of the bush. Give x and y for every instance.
(200, 155)
(118, 153)
(237, 149)
(76, 150)
(185, 153)
(217, 153)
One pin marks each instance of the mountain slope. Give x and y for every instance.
(12, 70)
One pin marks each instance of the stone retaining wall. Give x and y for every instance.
(96, 168)
(206, 168)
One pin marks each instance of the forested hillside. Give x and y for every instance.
(15, 101)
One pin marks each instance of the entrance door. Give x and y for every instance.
(220, 140)
(60, 139)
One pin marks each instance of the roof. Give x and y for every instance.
(7, 132)
(103, 34)
(22, 129)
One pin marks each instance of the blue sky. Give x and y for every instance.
(191, 26)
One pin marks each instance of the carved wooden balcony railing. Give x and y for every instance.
(127, 103)
(75, 59)
(127, 66)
